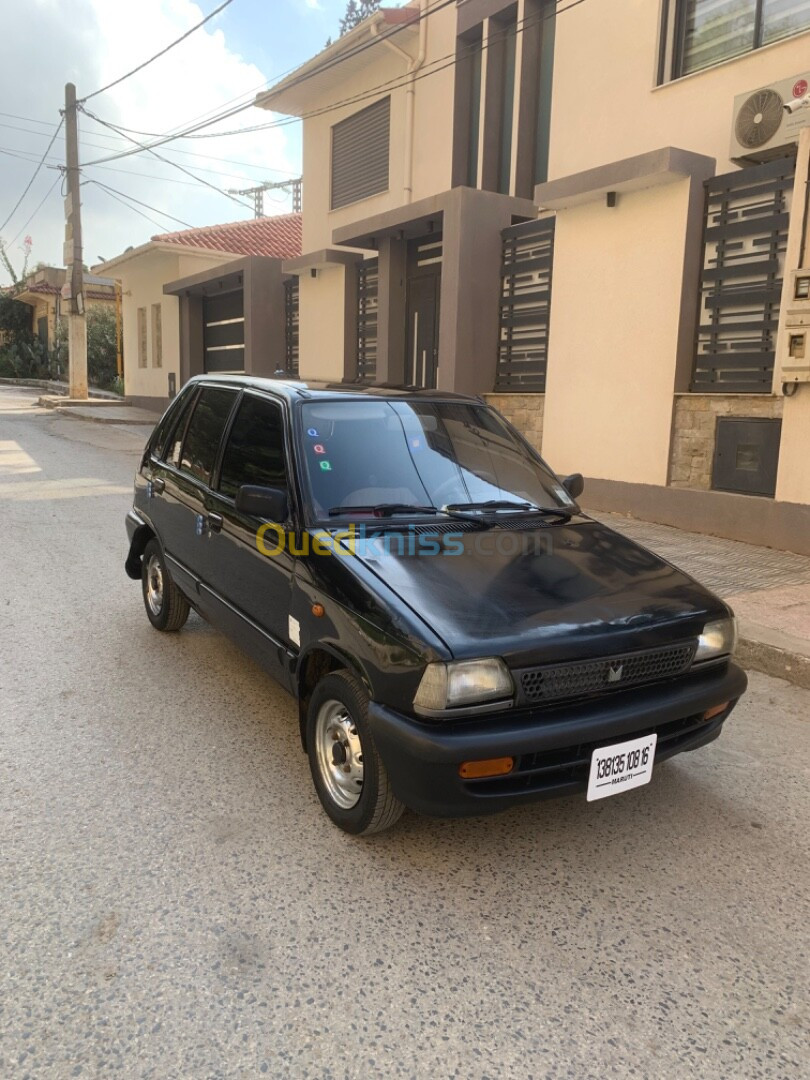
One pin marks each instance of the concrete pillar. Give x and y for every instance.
(77, 353)
(391, 310)
(192, 358)
(470, 290)
(264, 317)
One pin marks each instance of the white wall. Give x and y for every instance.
(614, 330)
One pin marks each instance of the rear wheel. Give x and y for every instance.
(349, 776)
(166, 607)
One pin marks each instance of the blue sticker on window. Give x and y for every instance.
(312, 432)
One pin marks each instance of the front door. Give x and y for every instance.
(248, 571)
(424, 284)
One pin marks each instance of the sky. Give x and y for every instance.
(46, 43)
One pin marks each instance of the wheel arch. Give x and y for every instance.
(140, 538)
(318, 661)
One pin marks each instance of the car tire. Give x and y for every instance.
(166, 607)
(349, 776)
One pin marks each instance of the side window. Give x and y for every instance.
(164, 426)
(254, 453)
(170, 450)
(205, 431)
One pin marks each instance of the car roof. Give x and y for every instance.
(302, 390)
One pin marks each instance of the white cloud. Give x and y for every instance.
(40, 50)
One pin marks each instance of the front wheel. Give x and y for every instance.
(349, 776)
(165, 605)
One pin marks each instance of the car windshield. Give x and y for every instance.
(392, 455)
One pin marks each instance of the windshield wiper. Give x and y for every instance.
(384, 509)
(510, 504)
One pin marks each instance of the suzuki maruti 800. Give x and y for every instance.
(459, 635)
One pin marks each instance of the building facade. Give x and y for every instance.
(594, 214)
(42, 292)
(206, 299)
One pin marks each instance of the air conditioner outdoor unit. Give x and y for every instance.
(768, 120)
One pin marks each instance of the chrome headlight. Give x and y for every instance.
(463, 682)
(719, 638)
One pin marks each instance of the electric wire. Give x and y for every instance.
(147, 206)
(152, 59)
(36, 174)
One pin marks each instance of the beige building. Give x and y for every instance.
(206, 299)
(593, 213)
(42, 292)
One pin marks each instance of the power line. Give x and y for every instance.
(341, 58)
(162, 52)
(166, 161)
(447, 61)
(39, 207)
(132, 198)
(169, 150)
(134, 209)
(36, 174)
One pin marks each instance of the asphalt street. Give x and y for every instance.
(173, 902)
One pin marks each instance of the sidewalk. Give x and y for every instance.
(768, 590)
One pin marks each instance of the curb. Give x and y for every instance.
(118, 420)
(782, 656)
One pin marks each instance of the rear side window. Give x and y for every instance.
(254, 453)
(168, 422)
(204, 432)
(170, 451)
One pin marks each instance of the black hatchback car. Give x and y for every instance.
(459, 635)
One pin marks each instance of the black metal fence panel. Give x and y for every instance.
(526, 273)
(367, 306)
(291, 326)
(744, 241)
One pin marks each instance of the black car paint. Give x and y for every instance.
(558, 591)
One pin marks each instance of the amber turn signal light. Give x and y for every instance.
(475, 770)
(715, 711)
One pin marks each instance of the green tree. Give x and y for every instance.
(356, 12)
(102, 369)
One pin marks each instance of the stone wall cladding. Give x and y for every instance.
(524, 411)
(694, 426)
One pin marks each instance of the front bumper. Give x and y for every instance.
(552, 746)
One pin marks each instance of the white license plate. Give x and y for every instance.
(620, 767)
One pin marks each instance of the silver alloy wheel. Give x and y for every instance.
(339, 753)
(154, 585)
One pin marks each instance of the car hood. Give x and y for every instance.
(539, 594)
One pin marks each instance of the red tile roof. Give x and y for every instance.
(278, 236)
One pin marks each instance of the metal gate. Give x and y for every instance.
(224, 332)
(745, 236)
(291, 326)
(367, 293)
(526, 270)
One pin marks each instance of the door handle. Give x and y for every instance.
(215, 522)
(158, 486)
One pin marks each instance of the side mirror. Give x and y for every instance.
(262, 502)
(574, 485)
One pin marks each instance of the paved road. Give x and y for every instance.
(173, 903)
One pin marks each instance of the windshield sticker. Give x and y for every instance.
(319, 448)
(326, 466)
(312, 432)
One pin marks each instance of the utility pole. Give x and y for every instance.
(258, 193)
(72, 254)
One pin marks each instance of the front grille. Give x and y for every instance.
(559, 681)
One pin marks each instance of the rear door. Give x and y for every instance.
(252, 588)
(186, 473)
